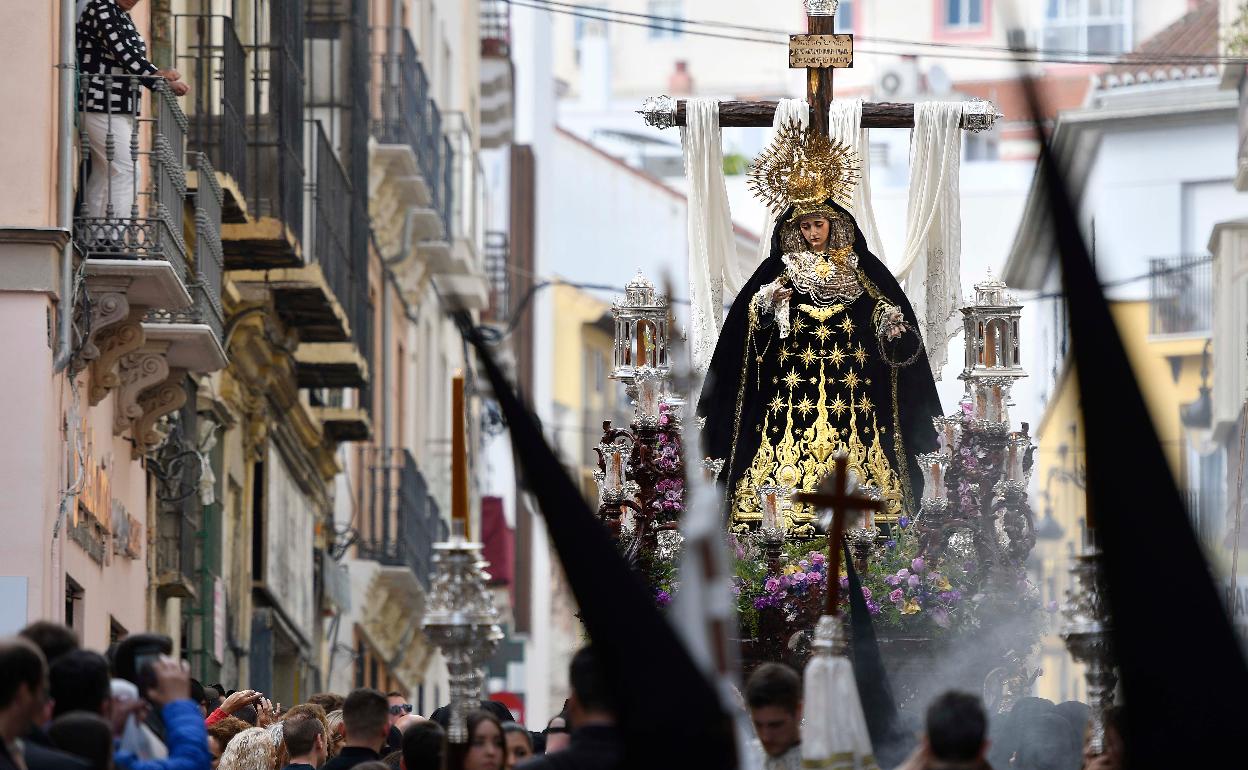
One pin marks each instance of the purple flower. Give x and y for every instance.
(903, 573)
(844, 582)
(892, 580)
(1052, 606)
(662, 438)
(772, 585)
(873, 607)
(890, 544)
(866, 592)
(817, 558)
(663, 598)
(762, 602)
(966, 409)
(903, 522)
(940, 617)
(895, 596)
(804, 564)
(912, 581)
(798, 577)
(663, 420)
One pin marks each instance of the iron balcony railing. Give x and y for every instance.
(408, 115)
(402, 520)
(203, 276)
(496, 257)
(1180, 295)
(466, 182)
(132, 183)
(328, 236)
(208, 50)
(361, 317)
(275, 130)
(495, 28)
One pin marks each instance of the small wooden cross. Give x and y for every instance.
(834, 493)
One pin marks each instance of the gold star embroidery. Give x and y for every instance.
(847, 325)
(850, 380)
(784, 354)
(860, 355)
(865, 405)
(808, 356)
(822, 332)
(791, 379)
(837, 355)
(838, 406)
(776, 404)
(805, 406)
(798, 325)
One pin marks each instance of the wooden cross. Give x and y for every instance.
(834, 493)
(819, 53)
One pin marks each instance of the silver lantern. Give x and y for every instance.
(641, 331)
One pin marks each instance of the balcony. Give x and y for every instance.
(458, 272)
(407, 126)
(270, 239)
(129, 231)
(497, 80)
(1181, 297)
(208, 51)
(175, 469)
(403, 521)
(497, 256)
(322, 300)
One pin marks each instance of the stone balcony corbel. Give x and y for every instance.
(119, 293)
(137, 371)
(157, 402)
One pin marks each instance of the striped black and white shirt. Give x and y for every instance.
(109, 44)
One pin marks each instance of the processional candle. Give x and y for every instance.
(769, 497)
(648, 390)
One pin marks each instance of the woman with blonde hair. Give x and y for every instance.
(337, 732)
(252, 749)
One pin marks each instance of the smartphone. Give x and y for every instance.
(144, 665)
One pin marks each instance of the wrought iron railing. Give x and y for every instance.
(496, 257)
(1180, 295)
(362, 316)
(203, 276)
(132, 182)
(275, 130)
(408, 115)
(402, 520)
(207, 48)
(495, 28)
(328, 233)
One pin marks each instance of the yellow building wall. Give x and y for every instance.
(1060, 459)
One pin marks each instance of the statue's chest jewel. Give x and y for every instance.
(827, 278)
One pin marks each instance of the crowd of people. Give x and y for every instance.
(67, 708)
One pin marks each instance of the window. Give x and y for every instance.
(665, 27)
(845, 16)
(1092, 26)
(964, 14)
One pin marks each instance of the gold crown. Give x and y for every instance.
(804, 169)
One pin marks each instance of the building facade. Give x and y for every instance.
(235, 387)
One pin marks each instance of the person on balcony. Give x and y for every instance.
(110, 45)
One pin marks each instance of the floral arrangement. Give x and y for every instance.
(904, 591)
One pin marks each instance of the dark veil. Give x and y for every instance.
(916, 399)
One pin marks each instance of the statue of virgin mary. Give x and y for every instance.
(820, 354)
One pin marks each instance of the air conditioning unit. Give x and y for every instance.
(898, 82)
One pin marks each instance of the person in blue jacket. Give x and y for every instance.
(186, 738)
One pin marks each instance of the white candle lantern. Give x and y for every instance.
(649, 382)
(991, 326)
(773, 500)
(641, 330)
(934, 466)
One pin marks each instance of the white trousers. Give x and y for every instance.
(113, 181)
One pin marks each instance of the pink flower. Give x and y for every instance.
(817, 558)
(799, 577)
(866, 592)
(772, 585)
(895, 596)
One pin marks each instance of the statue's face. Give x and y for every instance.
(815, 231)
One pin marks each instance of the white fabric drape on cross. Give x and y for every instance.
(930, 269)
(712, 252)
(845, 126)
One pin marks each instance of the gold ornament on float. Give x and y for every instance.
(803, 169)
